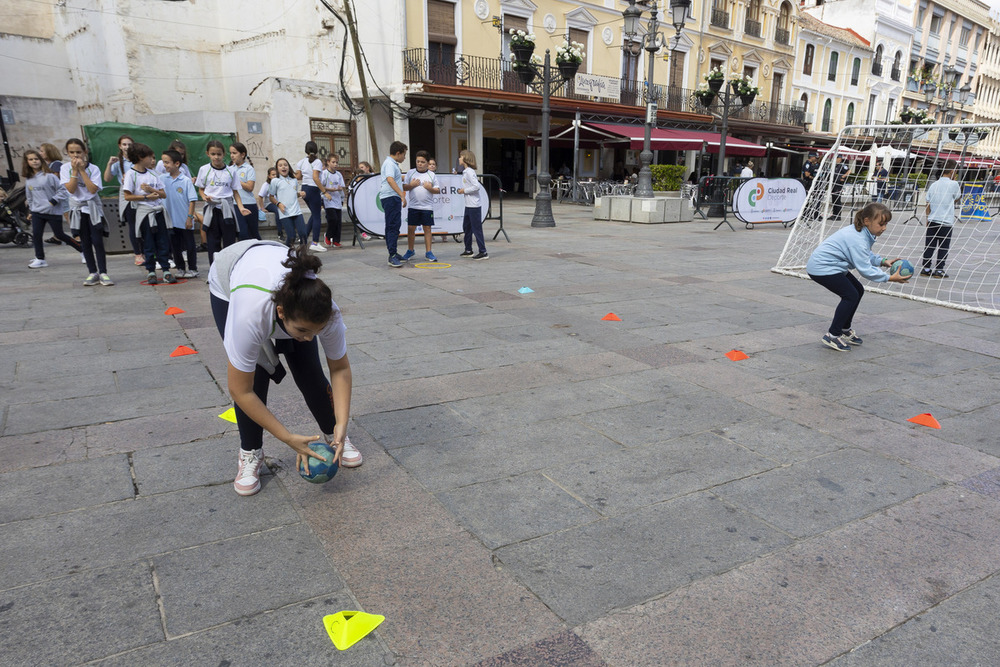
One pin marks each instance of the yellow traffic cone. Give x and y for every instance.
(346, 628)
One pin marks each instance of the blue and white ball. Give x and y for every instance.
(320, 472)
(904, 267)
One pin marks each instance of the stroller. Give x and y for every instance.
(14, 226)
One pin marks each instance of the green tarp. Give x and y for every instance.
(103, 141)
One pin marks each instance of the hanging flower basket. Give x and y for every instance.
(715, 85)
(522, 54)
(746, 99)
(568, 70)
(983, 132)
(522, 45)
(706, 97)
(525, 74)
(953, 133)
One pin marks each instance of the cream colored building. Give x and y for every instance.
(987, 106)
(831, 79)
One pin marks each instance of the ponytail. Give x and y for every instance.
(871, 210)
(302, 296)
(312, 150)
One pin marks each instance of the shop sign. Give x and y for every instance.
(598, 86)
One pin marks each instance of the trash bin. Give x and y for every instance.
(117, 243)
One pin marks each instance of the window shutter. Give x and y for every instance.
(577, 35)
(514, 23)
(441, 22)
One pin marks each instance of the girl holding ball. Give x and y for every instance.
(846, 249)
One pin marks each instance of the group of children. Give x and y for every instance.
(157, 203)
(421, 184)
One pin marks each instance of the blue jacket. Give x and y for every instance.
(844, 250)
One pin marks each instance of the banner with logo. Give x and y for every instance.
(598, 86)
(761, 200)
(974, 207)
(449, 206)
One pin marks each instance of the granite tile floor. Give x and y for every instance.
(540, 487)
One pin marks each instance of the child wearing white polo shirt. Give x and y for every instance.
(422, 185)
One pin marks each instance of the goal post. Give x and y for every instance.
(894, 165)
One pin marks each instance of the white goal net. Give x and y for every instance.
(895, 164)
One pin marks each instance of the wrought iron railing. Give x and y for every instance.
(895, 73)
(782, 36)
(496, 74)
(720, 19)
(770, 112)
(752, 28)
(877, 69)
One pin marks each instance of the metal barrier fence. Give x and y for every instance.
(716, 194)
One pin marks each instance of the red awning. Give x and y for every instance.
(663, 139)
(968, 160)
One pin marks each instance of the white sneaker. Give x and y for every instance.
(83, 259)
(37, 264)
(315, 247)
(171, 263)
(350, 457)
(247, 480)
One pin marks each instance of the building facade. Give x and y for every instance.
(987, 106)
(831, 79)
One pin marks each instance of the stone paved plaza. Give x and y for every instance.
(540, 486)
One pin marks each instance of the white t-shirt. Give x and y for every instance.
(264, 192)
(420, 198)
(217, 183)
(470, 186)
(746, 172)
(307, 167)
(134, 181)
(252, 317)
(82, 194)
(245, 173)
(330, 180)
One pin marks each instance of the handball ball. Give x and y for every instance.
(904, 267)
(320, 472)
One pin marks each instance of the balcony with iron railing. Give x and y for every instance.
(895, 73)
(752, 28)
(782, 36)
(720, 19)
(877, 69)
(495, 74)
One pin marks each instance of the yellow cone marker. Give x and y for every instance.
(229, 415)
(347, 628)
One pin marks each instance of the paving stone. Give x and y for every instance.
(53, 489)
(618, 482)
(818, 598)
(828, 491)
(175, 467)
(142, 379)
(962, 630)
(448, 464)
(541, 403)
(165, 428)
(585, 572)
(19, 452)
(87, 616)
(86, 410)
(446, 603)
(564, 648)
(37, 549)
(781, 440)
(671, 417)
(292, 635)
(513, 509)
(403, 428)
(229, 579)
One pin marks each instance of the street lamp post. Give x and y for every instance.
(652, 42)
(527, 71)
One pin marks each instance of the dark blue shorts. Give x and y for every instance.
(417, 218)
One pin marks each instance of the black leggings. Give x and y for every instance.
(38, 222)
(850, 290)
(250, 228)
(304, 365)
(92, 241)
(220, 234)
(938, 237)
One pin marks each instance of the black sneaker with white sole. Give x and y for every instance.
(481, 255)
(835, 343)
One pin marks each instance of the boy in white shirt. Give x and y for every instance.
(422, 185)
(941, 198)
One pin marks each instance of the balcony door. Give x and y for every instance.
(441, 41)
